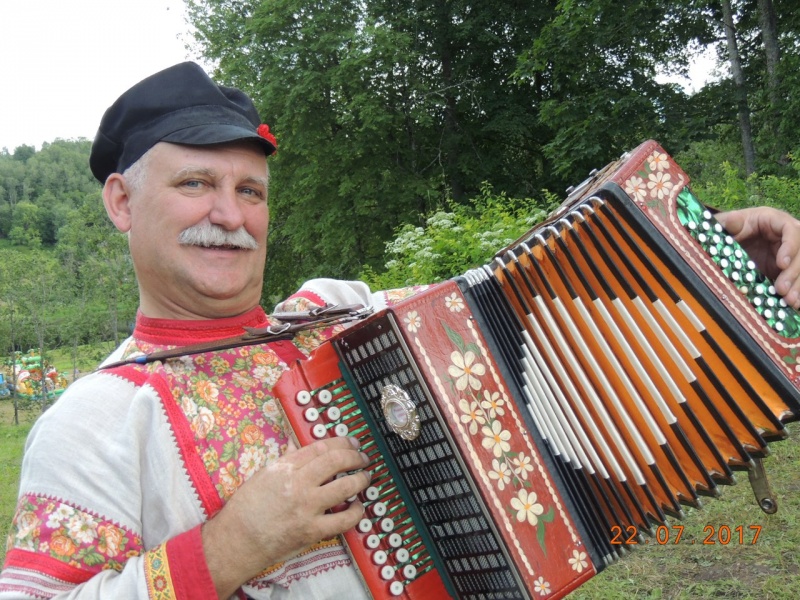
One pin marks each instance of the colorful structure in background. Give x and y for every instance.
(33, 379)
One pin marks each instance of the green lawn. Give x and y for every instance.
(12, 441)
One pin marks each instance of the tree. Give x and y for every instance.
(743, 107)
(101, 278)
(383, 111)
(597, 70)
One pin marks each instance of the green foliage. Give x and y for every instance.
(730, 190)
(12, 440)
(597, 67)
(65, 274)
(388, 110)
(38, 189)
(453, 241)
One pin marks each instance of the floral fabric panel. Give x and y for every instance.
(238, 425)
(75, 537)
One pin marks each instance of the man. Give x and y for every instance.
(174, 478)
(128, 485)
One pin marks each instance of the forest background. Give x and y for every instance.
(416, 138)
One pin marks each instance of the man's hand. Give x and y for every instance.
(281, 510)
(772, 239)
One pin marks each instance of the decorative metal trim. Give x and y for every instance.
(400, 412)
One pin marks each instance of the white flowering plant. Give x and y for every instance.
(456, 238)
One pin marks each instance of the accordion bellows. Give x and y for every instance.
(616, 363)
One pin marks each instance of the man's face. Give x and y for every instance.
(194, 186)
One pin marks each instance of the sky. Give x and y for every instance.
(65, 61)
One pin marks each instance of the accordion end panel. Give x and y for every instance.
(386, 548)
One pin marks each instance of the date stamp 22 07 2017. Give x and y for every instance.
(673, 534)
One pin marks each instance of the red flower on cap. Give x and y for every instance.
(264, 132)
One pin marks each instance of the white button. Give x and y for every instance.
(319, 431)
(373, 541)
(372, 493)
(379, 557)
(341, 430)
(402, 555)
(311, 414)
(409, 571)
(395, 540)
(303, 397)
(387, 572)
(365, 525)
(387, 525)
(325, 396)
(378, 509)
(396, 588)
(333, 413)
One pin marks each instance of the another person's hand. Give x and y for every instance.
(283, 509)
(772, 239)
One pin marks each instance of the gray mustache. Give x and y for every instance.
(208, 235)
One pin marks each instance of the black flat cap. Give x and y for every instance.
(181, 105)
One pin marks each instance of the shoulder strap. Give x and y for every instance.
(293, 322)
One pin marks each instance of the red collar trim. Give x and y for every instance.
(176, 332)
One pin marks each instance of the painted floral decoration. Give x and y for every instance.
(653, 182)
(481, 413)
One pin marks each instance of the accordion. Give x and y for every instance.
(610, 367)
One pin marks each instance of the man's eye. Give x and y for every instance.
(193, 183)
(252, 192)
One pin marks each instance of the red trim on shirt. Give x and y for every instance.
(176, 332)
(52, 567)
(184, 437)
(188, 568)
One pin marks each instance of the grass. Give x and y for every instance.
(766, 570)
(12, 440)
(88, 357)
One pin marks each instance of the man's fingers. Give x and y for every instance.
(334, 523)
(732, 221)
(304, 455)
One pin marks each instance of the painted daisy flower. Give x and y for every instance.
(465, 372)
(454, 303)
(496, 438)
(659, 185)
(578, 561)
(527, 508)
(413, 321)
(636, 188)
(541, 586)
(501, 473)
(472, 414)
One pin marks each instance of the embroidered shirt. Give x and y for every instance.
(122, 471)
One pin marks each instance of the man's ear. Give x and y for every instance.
(117, 200)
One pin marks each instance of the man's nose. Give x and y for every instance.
(227, 210)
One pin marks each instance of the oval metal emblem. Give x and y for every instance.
(400, 412)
